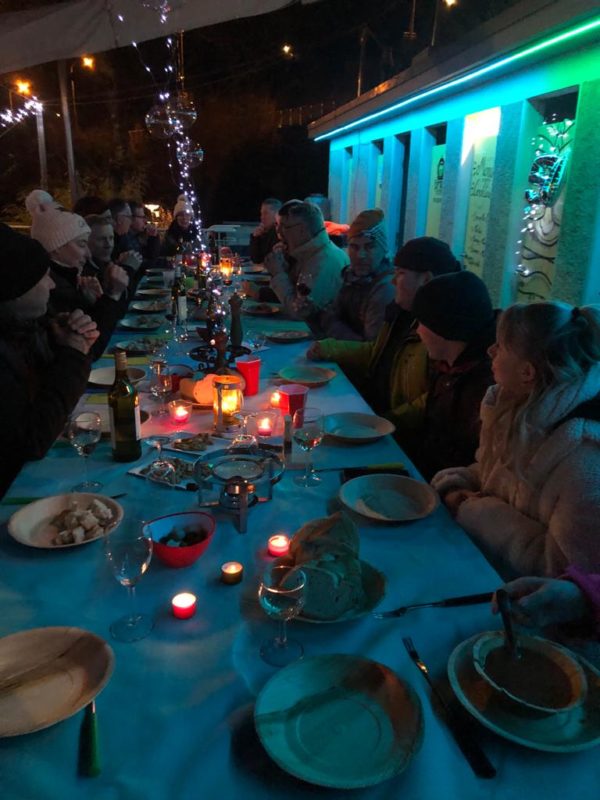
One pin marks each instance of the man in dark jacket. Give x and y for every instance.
(44, 362)
(264, 236)
(457, 325)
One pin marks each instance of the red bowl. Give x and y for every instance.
(183, 555)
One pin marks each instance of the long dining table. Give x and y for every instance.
(176, 718)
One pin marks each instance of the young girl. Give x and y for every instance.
(531, 501)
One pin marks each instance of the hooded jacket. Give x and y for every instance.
(539, 518)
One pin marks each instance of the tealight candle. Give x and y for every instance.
(183, 605)
(232, 572)
(264, 426)
(180, 411)
(275, 399)
(278, 545)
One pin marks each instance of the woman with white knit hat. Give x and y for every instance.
(182, 230)
(64, 236)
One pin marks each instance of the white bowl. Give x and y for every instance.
(105, 376)
(389, 498)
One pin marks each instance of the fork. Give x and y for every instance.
(463, 600)
(463, 735)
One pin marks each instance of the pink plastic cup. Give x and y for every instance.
(293, 398)
(249, 368)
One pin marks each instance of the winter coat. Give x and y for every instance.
(177, 235)
(317, 265)
(408, 375)
(261, 246)
(589, 584)
(358, 311)
(539, 519)
(41, 385)
(450, 429)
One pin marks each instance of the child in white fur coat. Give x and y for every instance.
(531, 500)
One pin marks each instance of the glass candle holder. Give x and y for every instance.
(180, 411)
(227, 400)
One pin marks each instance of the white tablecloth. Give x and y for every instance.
(176, 717)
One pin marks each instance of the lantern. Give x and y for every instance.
(227, 400)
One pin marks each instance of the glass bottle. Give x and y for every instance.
(124, 414)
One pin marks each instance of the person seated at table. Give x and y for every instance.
(64, 236)
(358, 311)
(391, 372)
(264, 236)
(100, 264)
(183, 230)
(311, 276)
(144, 234)
(457, 325)
(121, 217)
(531, 500)
(44, 361)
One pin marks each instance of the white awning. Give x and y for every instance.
(76, 27)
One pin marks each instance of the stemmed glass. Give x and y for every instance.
(160, 385)
(161, 469)
(308, 434)
(256, 340)
(84, 433)
(281, 595)
(129, 551)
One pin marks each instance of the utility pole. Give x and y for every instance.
(64, 103)
(41, 137)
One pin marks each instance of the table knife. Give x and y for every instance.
(461, 600)
(462, 732)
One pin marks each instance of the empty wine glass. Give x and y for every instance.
(256, 340)
(160, 385)
(84, 433)
(161, 469)
(281, 595)
(129, 551)
(308, 434)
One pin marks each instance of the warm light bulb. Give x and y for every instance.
(89, 62)
(23, 87)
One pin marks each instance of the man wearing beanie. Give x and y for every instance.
(391, 372)
(44, 362)
(64, 237)
(457, 325)
(358, 311)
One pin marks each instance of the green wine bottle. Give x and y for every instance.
(124, 413)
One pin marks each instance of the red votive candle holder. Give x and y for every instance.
(265, 423)
(249, 368)
(278, 545)
(180, 411)
(275, 400)
(184, 605)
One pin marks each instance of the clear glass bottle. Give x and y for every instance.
(124, 414)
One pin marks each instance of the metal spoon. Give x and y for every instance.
(503, 600)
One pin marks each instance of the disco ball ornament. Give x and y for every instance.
(160, 123)
(183, 110)
(191, 157)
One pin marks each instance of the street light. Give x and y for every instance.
(438, 3)
(23, 87)
(86, 62)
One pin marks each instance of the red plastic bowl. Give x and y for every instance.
(184, 555)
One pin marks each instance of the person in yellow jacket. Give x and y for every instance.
(392, 371)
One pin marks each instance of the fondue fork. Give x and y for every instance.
(463, 600)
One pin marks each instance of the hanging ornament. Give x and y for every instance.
(182, 108)
(189, 155)
(163, 7)
(160, 122)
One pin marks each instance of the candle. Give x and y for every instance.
(275, 399)
(278, 545)
(184, 605)
(265, 426)
(180, 411)
(232, 572)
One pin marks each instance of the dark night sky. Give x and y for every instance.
(239, 80)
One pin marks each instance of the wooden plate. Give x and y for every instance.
(49, 674)
(339, 721)
(374, 587)
(31, 526)
(105, 376)
(312, 377)
(389, 498)
(356, 428)
(567, 732)
(288, 337)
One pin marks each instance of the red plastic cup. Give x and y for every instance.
(249, 368)
(293, 398)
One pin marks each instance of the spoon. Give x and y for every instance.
(503, 600)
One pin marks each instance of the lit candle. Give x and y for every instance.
(232, 572)
(275, 399)
(278, 545)
(184, 605)
(265, 426)
(179, 411)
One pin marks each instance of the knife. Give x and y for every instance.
(462, 600)
(459, 728)
(89, 754)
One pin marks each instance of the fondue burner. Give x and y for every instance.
(238, 478)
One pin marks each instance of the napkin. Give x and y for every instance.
(96, 399)
(393, 468)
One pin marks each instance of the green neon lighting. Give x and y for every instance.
(470, 76)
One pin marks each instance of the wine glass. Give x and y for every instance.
(281, 595)
(242, 438)
(308, 434)
(129, 551)
(161, 469)
(84, 433)
(256, 340)
(160, 385)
